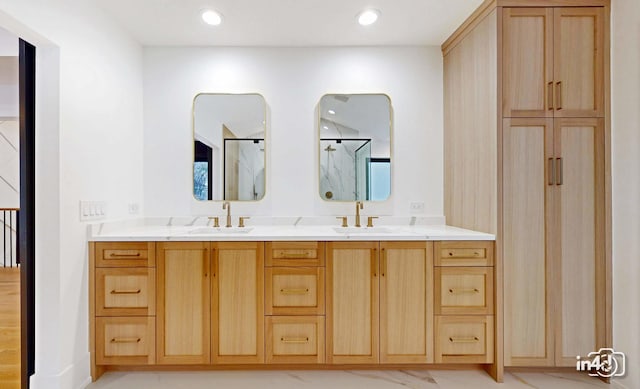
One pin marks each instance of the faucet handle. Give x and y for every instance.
(370, 220)
(216, 220)
(241, 220)
(344, 221)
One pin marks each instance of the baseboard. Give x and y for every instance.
(76, 375)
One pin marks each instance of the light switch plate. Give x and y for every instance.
(416, 207)
(92, 210)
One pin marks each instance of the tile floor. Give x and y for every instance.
(355, 379)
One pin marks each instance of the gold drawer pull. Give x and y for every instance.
(124, 255)
(289, 291)
(464, 340)
(294, 340)
(129, 291)
(464, 290)
(296, 255)
(125, 340)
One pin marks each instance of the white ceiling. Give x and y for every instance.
(289, 22)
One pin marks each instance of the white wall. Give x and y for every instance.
(89, 146)
(292, 81)
(625, 133)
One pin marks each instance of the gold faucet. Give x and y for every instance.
(227, 205)
(359, 206)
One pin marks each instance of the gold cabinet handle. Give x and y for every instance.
(550, 96)
(125, 340)
(294, 340)
(291, 291)
(116, 255)
(463, 290)
(559, 171)
(305, 254)
(126, 291)
(472, 339)
(551, 171)
(559, 95)
(383, 262)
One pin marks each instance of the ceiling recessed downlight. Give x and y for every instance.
(331, 112)
(368, 17)
(212, 18)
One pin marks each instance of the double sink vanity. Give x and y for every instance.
(172, 295)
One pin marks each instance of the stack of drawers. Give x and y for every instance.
(295, 302)
(464, 305)
(125, 303)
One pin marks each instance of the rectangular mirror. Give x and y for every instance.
(355, 147)
(228, 142)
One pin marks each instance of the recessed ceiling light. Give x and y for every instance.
(331, 112)
(368, 17)
(211, 17)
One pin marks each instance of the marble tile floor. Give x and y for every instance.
(354, 379)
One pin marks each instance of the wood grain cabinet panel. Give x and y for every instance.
(464, 291)
(183, 310)
(464, 253)
(125, 340)
(464, 339)
(125, 292)
(294, 291)
(125, 254)
(295, 254)
(295, 339)
(238, 302)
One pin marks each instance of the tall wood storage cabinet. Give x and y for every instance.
(527, 158)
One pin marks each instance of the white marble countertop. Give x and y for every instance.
(197, 229)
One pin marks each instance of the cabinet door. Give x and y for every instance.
(238, 302)
(528, 191)
(580, 275)
(406, 302)
(579, 62)
(527, 36)
(183, 303)
(352, 302)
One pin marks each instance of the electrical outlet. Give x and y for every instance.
(134, 208)
(416, 207)
(92, 210)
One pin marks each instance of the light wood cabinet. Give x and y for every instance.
(295, 339)
(125, 340)
(553, 62)
(294, 291)
(464, 339)
(406, 309)
(352, 302)
(237, 308)
(183, 306)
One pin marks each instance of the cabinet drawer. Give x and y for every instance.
(464, 339)
(294, 291)
(464, 290)
(295, 254)
(125, 254)
(125, 292)
(464, 253)
(125, 340)
(292, 339)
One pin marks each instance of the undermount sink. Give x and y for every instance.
(220, 230)
(362, 230)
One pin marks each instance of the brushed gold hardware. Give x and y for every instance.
(463, 290)
(383, 264)
(359, 206)
(551, 171)
(344, 221)
(294, 340)
(550, 95)
(128, 291)
(370, 220)
(304, 254)
(124, 255)
(559, 95)
(559, 171)
(241, 220)
(375, 263)
(464, 340)
(216, 221)
(227, 205)
(291, 291)
(125, 340)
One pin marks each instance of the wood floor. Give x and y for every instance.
(9, 328)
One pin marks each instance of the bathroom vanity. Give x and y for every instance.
(312, 297)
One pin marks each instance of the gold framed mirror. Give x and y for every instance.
(229, 140)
